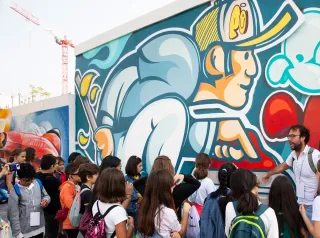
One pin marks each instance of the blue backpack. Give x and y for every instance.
(18, 192)
(248, 226)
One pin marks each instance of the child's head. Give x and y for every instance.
(26, 174)
(60, 164)
(224, 174)
(111, 186)
(30, 154)
(18, 156)
(162, 163)
(244, 186)
(49, 162)
(282, 198)
(72, 173)
(202, 165)
(134, 166)
(72, 157)
(88, 173)
(81, 160)
(158, 192)
(110, 162)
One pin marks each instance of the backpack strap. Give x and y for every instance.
(106, 213)
(235, 204)
(83, 190)
(17, 190)
(261, 209)
(40, 184)
(311, 164)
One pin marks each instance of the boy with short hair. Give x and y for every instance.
(26, 202)
(88, 174)
(49, 165)
(68, 191)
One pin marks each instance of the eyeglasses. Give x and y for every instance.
(75, 174)
(292, 136)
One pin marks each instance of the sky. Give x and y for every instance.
(29, 54)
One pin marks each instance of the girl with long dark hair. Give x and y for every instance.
(157, 214)
(244, 186)
(314, 228)
(207, 186)
(282, 200)
(181, 191)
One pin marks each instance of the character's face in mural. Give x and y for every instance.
(21, 158)
(295, 140)
(231, 89)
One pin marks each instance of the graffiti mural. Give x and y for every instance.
(46, 131)
(193, 83)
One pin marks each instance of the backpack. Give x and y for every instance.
(75, 215)
(248, 226)
(97, 227)
(193, 228)
(18, 192)
(310, 161)
(211, 221)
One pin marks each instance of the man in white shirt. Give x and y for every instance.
(304, 170)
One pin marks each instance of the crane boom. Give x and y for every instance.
(64, 42)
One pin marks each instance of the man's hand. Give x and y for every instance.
(230, 131)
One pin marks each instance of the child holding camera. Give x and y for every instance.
(26, 202)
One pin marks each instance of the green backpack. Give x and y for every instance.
(248, 226)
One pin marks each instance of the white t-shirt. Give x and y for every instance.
(168, 222)
(304, 174)
(316, 209)
(207, 187)
(113, 218)
(268, 217)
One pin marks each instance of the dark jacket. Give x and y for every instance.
(51, 184)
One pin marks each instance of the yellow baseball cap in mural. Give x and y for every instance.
(239, 23)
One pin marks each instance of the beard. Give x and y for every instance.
(296, 147)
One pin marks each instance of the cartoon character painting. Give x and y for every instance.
(183, 90)
(45, 131)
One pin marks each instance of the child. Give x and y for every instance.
(111, 191)
(282, 200)
(244, 186)
(26, 201)
(207, 186)
(157, 215)
(133, 169)
(60, 175)
(88, 174)
(18, 156)
(314, 228)
(68, 192)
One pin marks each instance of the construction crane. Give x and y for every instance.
(63, 41)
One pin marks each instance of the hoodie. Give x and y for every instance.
(51, 184)
(67, 195)
(19, 211)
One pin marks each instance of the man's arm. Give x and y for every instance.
(277, 170)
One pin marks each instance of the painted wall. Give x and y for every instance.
(43, 125)
(226, 79)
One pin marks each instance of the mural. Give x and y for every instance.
(196, 83)
(46, 131)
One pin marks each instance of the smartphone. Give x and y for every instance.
(14, 167)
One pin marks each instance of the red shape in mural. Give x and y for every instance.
(311, 118)
(280, 112)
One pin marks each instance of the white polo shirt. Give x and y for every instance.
(306, 180)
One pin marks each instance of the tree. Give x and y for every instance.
(38, 91)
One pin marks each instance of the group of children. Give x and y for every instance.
(163, 204)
